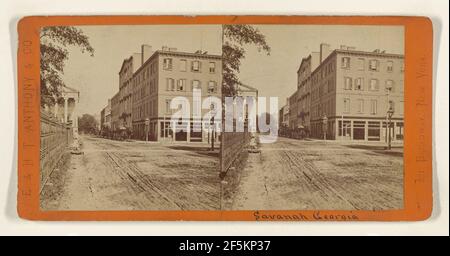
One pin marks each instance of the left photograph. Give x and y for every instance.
(127, 117)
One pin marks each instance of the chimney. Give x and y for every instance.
(324, 51)
(136, 61)
(315, 60)
(172, 49)
(146, 52)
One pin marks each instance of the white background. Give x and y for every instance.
(12, 10)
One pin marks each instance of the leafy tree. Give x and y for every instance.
(87, 124)
(235, 38)
(54, 53)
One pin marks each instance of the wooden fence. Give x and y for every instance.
(55, 138)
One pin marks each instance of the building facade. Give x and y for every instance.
(293, 119)
(115, 110)
(167, 74)
(129, 66)
(307, 66)
(351, 92)
(105, 117)
(65, 109)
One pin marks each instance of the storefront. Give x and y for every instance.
(369, 130)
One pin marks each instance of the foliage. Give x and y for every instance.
(235, 38)
(87, 124)
(54, 53)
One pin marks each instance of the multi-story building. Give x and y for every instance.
(283, 115)
(116, 123)
(105, 116)
(129, 67)
(351, 92)
(307, 66)
(286, 114)
(283, 119)
(102, 118)
(293, 110)
(164, 75)
(345, 94)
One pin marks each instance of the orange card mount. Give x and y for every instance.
(345, 104)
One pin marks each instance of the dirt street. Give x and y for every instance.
(121, 175)
(286, 175)
(296, 174)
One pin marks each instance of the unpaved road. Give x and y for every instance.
(310, 175)
(120, 175)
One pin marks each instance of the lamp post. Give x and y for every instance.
(147, 124)
(213, 114)
(324, 127)
(390, 113)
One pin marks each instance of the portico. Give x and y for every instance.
(65, 108)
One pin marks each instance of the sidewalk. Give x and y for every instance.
(394, 144)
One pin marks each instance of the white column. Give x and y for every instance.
(65, 109)
(74, 116)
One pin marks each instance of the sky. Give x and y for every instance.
(97, 77)
(276, 74)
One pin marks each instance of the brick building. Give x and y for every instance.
(129, 67)
(151, 79)
(307, 66)
(115, 112)
(105, 116)
(349, 94)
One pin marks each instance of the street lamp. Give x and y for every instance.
(213, 114)
(147, 124)
(324, 127)
(390, 113)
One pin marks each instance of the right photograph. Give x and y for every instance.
(312, 118)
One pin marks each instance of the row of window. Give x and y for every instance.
(373, 84)
(326, 70)
(145, 73)
(360, 106)
(196, 106)
(180, 85)
(373, 64)
(195, 65)
(147, 109)
(149, 87)
(327, 108)
(357, 84)
(373, 110)
(325, 88)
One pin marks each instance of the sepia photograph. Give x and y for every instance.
(212, 120)
(221, 117)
